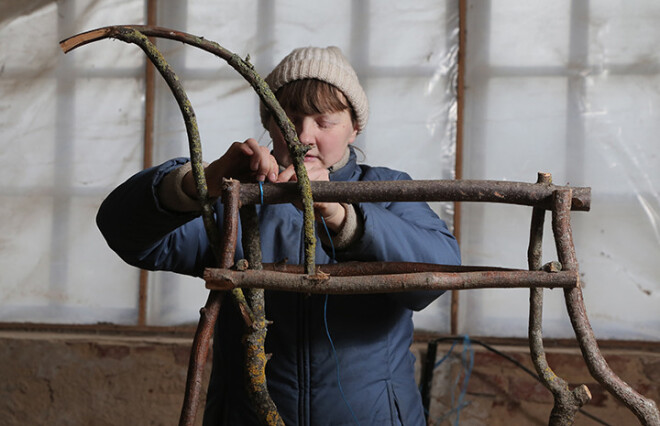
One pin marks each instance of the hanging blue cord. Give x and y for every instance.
(261, 191)
(327, 333)
(327, 232)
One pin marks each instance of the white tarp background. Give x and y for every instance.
(562, 88)
(571, 88)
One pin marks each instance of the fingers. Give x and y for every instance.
(261, 163)
(287, 175)
(247, 160)
(314, 173)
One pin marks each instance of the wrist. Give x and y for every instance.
(335, 219)
(188, 185)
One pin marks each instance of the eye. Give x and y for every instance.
(324, 122)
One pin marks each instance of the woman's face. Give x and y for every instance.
(327, 134)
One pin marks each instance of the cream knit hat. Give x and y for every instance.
(325, 64)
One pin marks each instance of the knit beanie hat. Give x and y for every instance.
(325, 64)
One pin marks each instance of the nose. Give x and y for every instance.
(305, 128)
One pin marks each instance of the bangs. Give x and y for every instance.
(311, 96)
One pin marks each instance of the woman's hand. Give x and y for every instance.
(245, 161)
(333, 214)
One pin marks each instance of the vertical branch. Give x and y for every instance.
(255, 336)
(209, 313)
(296, 151)
(645, 409)
(566, 403)
(198, 355)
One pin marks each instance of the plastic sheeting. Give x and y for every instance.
(569, 88)
(573, 89)
(78, 119)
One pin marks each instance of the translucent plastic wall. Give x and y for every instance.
(73, 128)
(569, 88)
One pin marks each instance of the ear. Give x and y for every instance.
(354, 134)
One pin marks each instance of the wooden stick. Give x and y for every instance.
(226, 279)
(645, 409)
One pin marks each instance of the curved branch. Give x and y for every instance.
(645, 409)
(296, 149)
(133, 35)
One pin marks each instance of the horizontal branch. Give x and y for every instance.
(226, 279)
(521, 193)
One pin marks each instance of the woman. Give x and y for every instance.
(153, 221)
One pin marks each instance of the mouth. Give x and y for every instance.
(310, 158)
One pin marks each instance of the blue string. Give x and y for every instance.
(327, 333)
(334, 354)
(467, 363)
(446, 355)
(467, 348)
(261, 190)
(327, 231)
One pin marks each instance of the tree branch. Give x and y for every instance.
(566, 402)
(226, 279)
(645, 409)
(255, 336)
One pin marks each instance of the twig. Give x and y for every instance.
(255, 336)
(566, 402)
(209, 313)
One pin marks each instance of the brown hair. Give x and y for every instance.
(311, 96)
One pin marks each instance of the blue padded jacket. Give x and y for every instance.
(372, 334)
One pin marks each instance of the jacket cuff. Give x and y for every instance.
(350, 232)
(170, 192)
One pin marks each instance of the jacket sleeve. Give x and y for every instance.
(146, 235)
(404, 232)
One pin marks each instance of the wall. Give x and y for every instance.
(82, 379)
(74, 379)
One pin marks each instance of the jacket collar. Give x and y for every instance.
(349, 171)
